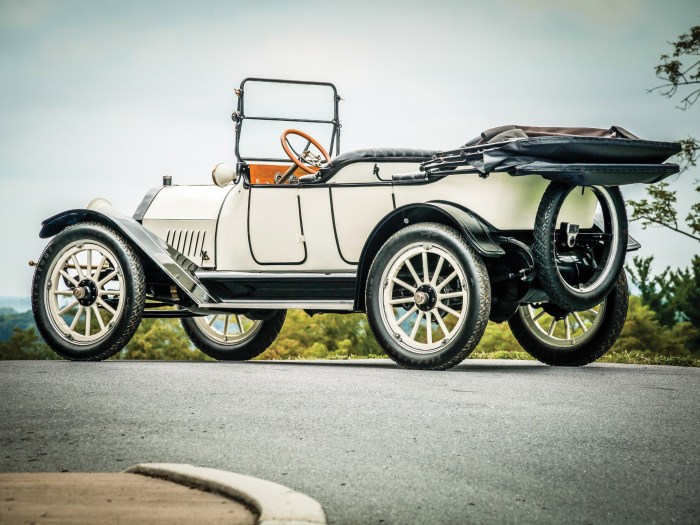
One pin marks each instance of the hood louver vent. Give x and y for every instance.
(188, 242)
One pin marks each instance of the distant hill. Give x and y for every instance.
(10, 319)
(14, 312)
(18, 304)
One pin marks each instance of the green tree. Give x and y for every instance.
(679, 71)
(160, 339)
(686, 295)
(644, 334)
(11, 319)
(673, 296)
(25, 343)
(321, 336)
(656, 290)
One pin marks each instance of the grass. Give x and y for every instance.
(632, 358)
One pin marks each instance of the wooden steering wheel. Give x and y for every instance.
(307, 161)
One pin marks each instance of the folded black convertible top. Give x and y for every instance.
(580, 156)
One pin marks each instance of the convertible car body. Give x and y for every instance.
(522, 224)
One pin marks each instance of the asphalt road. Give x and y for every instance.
(486, 442)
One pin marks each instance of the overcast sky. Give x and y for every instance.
(103, 98)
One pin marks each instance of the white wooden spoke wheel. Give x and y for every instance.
(559, 337)
(565, 330)
(425, 297)
(234, 337)
(428, 297)
(84, 292)
(88, 292)
(228, 329)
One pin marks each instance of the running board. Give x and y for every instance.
(273, 290)
(347, 306)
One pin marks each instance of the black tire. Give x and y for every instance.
(404, 344)
(50, 294)
(255, 340)
(591, 346)
(567, 293)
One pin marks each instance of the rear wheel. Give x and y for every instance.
(557, 337)
(428, 297)
(88, 292)
(233, 337)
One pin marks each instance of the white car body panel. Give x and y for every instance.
(356, 211)
(185, 217)
(322, 252)
(507, 202)
(324, 228)
(274, 226)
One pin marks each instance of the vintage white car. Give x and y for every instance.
(522, 224)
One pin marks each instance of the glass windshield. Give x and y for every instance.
(269, 107)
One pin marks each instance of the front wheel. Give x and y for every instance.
(428, 297)
(88, 292)
(233, 337)
(560, 338)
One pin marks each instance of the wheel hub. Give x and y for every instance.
(425, 297)
(86, 292)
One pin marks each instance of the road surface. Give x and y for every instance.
(486, 442)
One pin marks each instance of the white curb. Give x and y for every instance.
(275, 504)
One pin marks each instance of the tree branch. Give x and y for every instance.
(649, 219)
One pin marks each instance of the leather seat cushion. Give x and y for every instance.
(376, 155)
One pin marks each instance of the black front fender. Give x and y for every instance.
(171, 262)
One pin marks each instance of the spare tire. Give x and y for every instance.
(578, 272)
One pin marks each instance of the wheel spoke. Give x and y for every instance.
(110, 292)
(77, 267)
(239, 323)
(75, 319)
(448, 310)
(447, 280)
(551, 327)
(539, 315)
(416, 325)
(88, 270)
(426, 275)
(438, 269)
(593, 312)
(88, 319)
(226, 320)
(567, 326)
(404, 284)
(580, 322)
(106, 278)
(66, 308)
(213, 318)
(400, 300)
(414, 274)
(106, 306)
(98, 268)
(63, 292)
(450, 295)
(98, 317)
(429, 327)
(444, 329)
(406, 315)
(68, 277)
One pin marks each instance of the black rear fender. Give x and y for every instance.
(475, 230)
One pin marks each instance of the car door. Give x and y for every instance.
(275, 229)
(357, 209)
